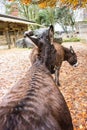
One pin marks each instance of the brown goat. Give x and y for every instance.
(63, 54)
(35, 102)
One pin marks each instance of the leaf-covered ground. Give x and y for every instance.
(15, 62)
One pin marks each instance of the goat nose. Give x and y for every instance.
(75, 65)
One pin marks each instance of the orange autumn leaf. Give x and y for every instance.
(26, 2)
(52, 3)
(44, 3)
(11, 0)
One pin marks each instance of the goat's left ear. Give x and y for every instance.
(34, 39)
(28, 33)
(71, 49)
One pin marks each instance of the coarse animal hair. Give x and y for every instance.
(63, 54)
(35, 102)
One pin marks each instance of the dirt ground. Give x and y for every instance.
(15, 62)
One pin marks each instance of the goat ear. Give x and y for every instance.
(51, 28)
(34, 39)
(71, 49)
(51, 33)
(28, 33)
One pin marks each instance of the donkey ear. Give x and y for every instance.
(34, 39)
(51, 28)
(51, 33)
(28, 33)
(71, 49)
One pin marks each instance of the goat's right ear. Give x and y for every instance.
(51, 28)
(51, 33)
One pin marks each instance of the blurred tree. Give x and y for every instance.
(7, 5)
(65, 17)
(44, 3)
(46, 16)
(26, 10)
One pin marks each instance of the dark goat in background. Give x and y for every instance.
(35, 102)
(63, 54)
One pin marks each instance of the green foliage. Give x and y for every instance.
(64, 16)
(61, 15)
(8, 6)
(74, 39)
(28, 12)
(47, 16)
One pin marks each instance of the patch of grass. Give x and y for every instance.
(73, 39)
(19, 48)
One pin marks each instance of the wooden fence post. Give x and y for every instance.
(8, 39)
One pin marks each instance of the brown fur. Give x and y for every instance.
(63, 54)
(35, 102)
(59, 56)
